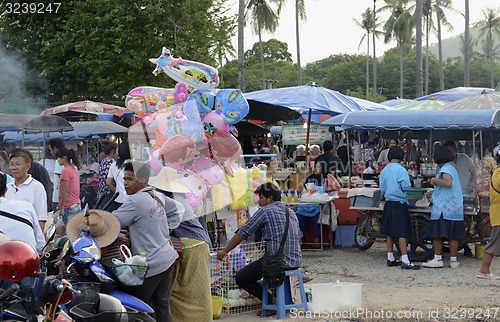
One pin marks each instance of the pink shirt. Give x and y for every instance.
(71, 175)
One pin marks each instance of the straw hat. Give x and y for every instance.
(103, 226)
(168, 180)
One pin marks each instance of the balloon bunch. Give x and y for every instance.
(194, 132)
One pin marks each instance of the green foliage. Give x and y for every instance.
(99, 49)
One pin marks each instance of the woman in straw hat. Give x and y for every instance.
(149, 217)
(190, 299)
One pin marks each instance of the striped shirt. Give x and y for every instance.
(272, 220)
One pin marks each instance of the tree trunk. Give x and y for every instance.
(367, 65)
(440, 46)
(401, 79)
(418, 49)
(374, 55)
(297, 35)
(261, 49)
(241, 42)
(492, 61)
(427, 32)
(467, 46)
(221, 68)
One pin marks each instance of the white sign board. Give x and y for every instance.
(297, 134)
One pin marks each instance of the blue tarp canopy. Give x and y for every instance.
(418, 120)
(264, 104)
(81, 131)
(455, 94)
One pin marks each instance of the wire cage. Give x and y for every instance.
(235, 300)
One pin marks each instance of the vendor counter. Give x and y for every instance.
(343, 204)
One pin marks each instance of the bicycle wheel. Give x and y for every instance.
(361, 238)
(420, 246)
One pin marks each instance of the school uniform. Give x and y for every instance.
(394, 181)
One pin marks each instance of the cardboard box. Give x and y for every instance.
(333, 297)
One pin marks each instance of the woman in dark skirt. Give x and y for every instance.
(396, 224)
(447, 216)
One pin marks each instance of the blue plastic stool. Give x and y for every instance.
(284, 300)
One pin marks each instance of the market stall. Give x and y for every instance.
(429, 126)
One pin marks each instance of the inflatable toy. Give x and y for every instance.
(232, 104)
(178, 149)
(197, 187)
(208, 170)
(225, 148)
(213, 121)
(155, 99)
(204, 100)
(191, 73)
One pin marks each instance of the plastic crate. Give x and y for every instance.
(223, 284)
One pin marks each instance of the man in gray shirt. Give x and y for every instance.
(145, 214)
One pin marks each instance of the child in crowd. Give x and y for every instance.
(396, 223)
(447, 216)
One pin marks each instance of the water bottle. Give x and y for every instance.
(141, 266)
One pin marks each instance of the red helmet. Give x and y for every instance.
(17, 261)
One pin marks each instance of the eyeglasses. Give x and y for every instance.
(17, 165)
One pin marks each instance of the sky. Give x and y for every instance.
(330, 28)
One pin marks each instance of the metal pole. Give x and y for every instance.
(307, 141)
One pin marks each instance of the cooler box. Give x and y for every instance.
(333, 297)
(364, 197)
(344, 236)
(346, 215)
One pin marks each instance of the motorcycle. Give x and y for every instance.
(30, 295)
(82, 265)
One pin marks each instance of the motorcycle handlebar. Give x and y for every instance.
(11, 290)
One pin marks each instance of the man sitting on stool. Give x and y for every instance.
(271, 217)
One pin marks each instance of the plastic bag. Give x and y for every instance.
(125, 274)
(423, 202)
(328, 215)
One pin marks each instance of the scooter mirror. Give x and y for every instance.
(67, 250)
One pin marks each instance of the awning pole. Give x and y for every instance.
(307, 142)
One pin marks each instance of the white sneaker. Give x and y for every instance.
(454, 264)
(489, 276)
(434, 263)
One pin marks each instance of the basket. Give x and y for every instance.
(223, 284)
(81, 315)
(111, 267)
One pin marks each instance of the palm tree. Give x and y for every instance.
(418, 48)
(263, 18)
(241, 46)
(467, 47)
(300, 13)
(368, 25)
(225, 28)
(489, 27)
(374, 54)
(398, 26)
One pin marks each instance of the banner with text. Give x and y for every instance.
(297, 134)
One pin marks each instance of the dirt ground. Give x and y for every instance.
(393, 294)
